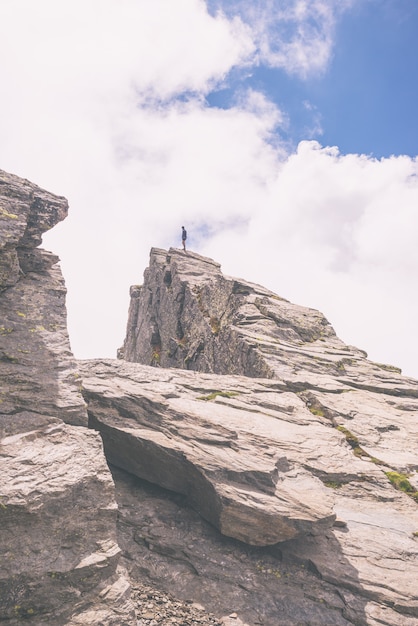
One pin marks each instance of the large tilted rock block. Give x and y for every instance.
(59, 556)
(266, 464)
(236, 459)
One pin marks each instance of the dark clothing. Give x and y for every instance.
(183, 237)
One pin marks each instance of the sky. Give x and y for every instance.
(282, 133)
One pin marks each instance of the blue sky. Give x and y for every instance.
(365, 100)
(369, 95)
(281, 133)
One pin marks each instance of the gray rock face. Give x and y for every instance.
(37, 367)
(26, 211)
(185, 316)
(263, 464)
(314, 426)
(58, 550)
(188, 315)
(231, 452)
(166, 544)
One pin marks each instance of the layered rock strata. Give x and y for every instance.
(168, 545)
(266, 466)
(246, 456)
(312, 426)
(58, 546)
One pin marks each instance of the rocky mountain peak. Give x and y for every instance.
(187, 314)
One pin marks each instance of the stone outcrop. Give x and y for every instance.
(267, 465)
(58, 547)
(309, 446)
(38, 371)
(229, 447)
(170, 546)
(187, 314)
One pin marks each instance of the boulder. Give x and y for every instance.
(311, 581)
(59, 551)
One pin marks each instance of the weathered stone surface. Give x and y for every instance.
(58, 551)
(166, 544)
(264, 464)
(187, 314)
(26, 212)
(346, 421)
(38, 371)
(236, 458)
(257, 333)
(184, 314)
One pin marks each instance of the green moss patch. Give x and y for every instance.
(214, 394)
(332, 484)
(401, 483)
(316, 411)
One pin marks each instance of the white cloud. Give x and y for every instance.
(295, 35)
(107, 48)
(183, 163)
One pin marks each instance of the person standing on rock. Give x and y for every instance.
(183, 237)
